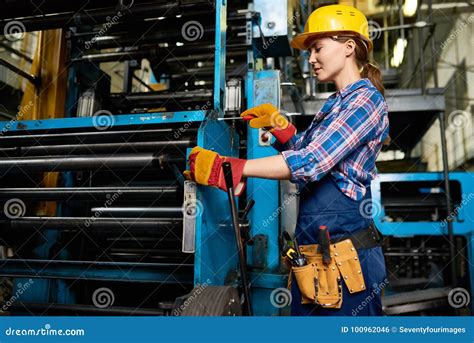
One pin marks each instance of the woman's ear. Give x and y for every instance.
(350, 47)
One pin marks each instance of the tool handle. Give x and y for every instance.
(226, 167)
(248, 208)
(324, 241)
(287, 236)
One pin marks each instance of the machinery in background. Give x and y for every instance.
(130, 232)
(127, 234)
(410, 210)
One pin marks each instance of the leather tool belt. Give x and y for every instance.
(321, 283)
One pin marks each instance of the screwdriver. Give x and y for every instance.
(252, 117)
(324, 243)
(300, 259)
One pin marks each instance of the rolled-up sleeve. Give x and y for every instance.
(356, 124)
(293, 144)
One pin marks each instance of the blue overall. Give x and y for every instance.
(323, 203)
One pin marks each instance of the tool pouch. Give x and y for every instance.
(320, 283)
(348, 265)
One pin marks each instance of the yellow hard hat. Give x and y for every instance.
(334, 20)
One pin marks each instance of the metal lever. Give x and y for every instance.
(247, 209)
(226, 167)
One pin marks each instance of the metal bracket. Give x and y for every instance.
(190, 211)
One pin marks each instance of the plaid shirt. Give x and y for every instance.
(344, 139)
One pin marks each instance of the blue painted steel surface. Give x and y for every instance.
(219, 56)
(105, 119)
(462, 224)
(262, 87)
(216, 250)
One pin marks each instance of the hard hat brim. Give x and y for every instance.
(302, 40)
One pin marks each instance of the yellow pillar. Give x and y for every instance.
(48, 100)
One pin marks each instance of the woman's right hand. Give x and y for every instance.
(267, 116)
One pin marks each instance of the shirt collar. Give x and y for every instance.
(352, 87)
(342, 92)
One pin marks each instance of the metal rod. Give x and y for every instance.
(33, 79)
(138, 210)
(104, 42)
(422, 57)
(85, 137)
(400, 18)
(152, 96)
(97, 16)
(98, 148)
(122, 161)
(142, 251)
(444, 153)
(166, 273)
(432, 44)
(122, 56)
(144, 84)
(115, 56)
(88, 193)
(422, 62)
(238, 237)
(82, 309)
(417, 25)
(289, 114)
(92, 223)
(16, 52)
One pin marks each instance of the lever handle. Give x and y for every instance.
(226, 167)
(248, 208)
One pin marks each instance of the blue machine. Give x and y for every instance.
(54, 267)
(63, 272)
(410, 211)
(128, 222)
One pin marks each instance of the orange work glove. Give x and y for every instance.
(267, 116)
(205, 168)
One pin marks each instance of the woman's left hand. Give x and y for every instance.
(205, 168)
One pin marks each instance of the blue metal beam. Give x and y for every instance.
(104, 121)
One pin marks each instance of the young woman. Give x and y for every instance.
(332, 161)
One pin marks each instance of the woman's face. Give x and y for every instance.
(328, 58)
